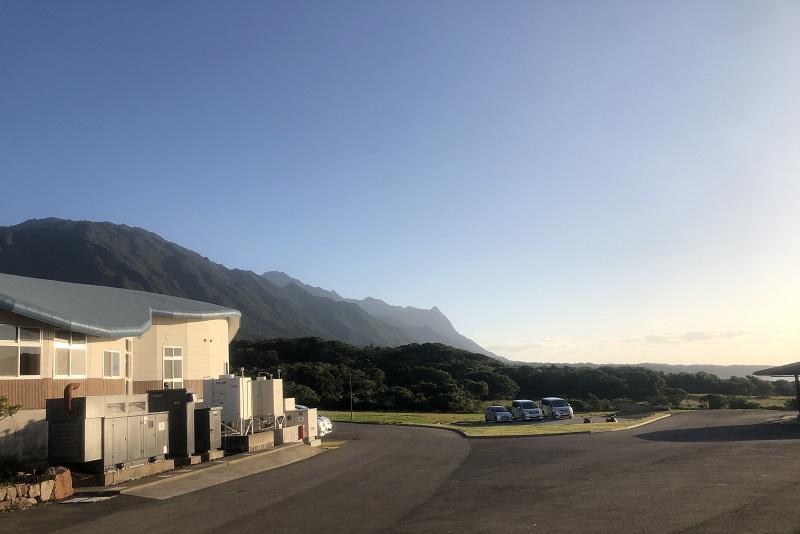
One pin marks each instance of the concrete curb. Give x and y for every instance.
(554, 434)
(637, 425)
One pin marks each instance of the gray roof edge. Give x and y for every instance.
(49, 317)
(221, 314)
(790, 369)
(40, 314)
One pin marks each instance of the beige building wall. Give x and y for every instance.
(205, 347)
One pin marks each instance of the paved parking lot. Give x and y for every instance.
(718, 471)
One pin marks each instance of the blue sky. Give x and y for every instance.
(605, 181)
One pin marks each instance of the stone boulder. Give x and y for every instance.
(21, 503)
(62, 484)
(46, 490)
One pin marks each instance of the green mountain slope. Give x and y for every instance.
(121, 256)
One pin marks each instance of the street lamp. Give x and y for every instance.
(351, 394)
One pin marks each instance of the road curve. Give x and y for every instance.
(719, 471)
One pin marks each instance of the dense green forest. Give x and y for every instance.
(435, 377)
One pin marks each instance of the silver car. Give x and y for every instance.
(497, 414)
(526, 410)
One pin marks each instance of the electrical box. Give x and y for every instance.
(208, 429)
(234, 394)
(134, 438)
(268, 397)
(312, 432)
(180, 406)
(286, 435)
(288, 404)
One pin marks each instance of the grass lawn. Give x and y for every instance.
(474, 425)
(694, 402)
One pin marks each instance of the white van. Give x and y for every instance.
(556, 408)
(525, 410)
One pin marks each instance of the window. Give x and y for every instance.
(70, 354)
(20, 350)
(111, 364)
(173, 367)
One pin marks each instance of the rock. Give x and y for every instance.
(20, 503)
(63, 484)
(46, 489)
(22, 490)
(34, 491)
(5, 505)
(3, 492)
(11, 493)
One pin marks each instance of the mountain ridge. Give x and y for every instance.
(425, 325)
(118, 255)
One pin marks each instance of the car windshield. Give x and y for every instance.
(528, 405)
(560, 403)
(497, 409)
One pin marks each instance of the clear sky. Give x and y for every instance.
(567, 181)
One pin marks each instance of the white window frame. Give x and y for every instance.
(70, 346)
(106, 373)
(19, 344)
(172, 381)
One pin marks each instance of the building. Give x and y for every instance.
(108, 340)
(790, 369)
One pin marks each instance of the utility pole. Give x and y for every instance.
(351, 394)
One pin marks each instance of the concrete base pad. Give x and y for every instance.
(123, 475)
(250, 443)
(219, 472)
(216, 454)
(314, 442)
(187, 460)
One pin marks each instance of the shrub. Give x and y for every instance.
(6, 408)
(303, 394)
(715, 402)
(741, 403)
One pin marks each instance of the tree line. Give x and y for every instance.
(436, 377)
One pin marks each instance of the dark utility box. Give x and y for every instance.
(208, 429)
(179, 404)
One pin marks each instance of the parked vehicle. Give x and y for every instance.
(497, 414)
(525, 410)
(324, 425)
(556, 408)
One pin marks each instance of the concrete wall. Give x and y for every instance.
(23, 437)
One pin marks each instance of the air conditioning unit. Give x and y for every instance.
(234, 394)
(268, 397)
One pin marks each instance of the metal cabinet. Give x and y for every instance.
(180, 405)
(208, 429)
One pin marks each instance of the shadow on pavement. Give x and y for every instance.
(754, 432)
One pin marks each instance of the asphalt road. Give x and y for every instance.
(720, 471)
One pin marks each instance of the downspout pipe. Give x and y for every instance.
(68, 397)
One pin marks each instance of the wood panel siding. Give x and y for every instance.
(143, 386)
(31, 393)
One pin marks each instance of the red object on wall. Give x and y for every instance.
(301, 432)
